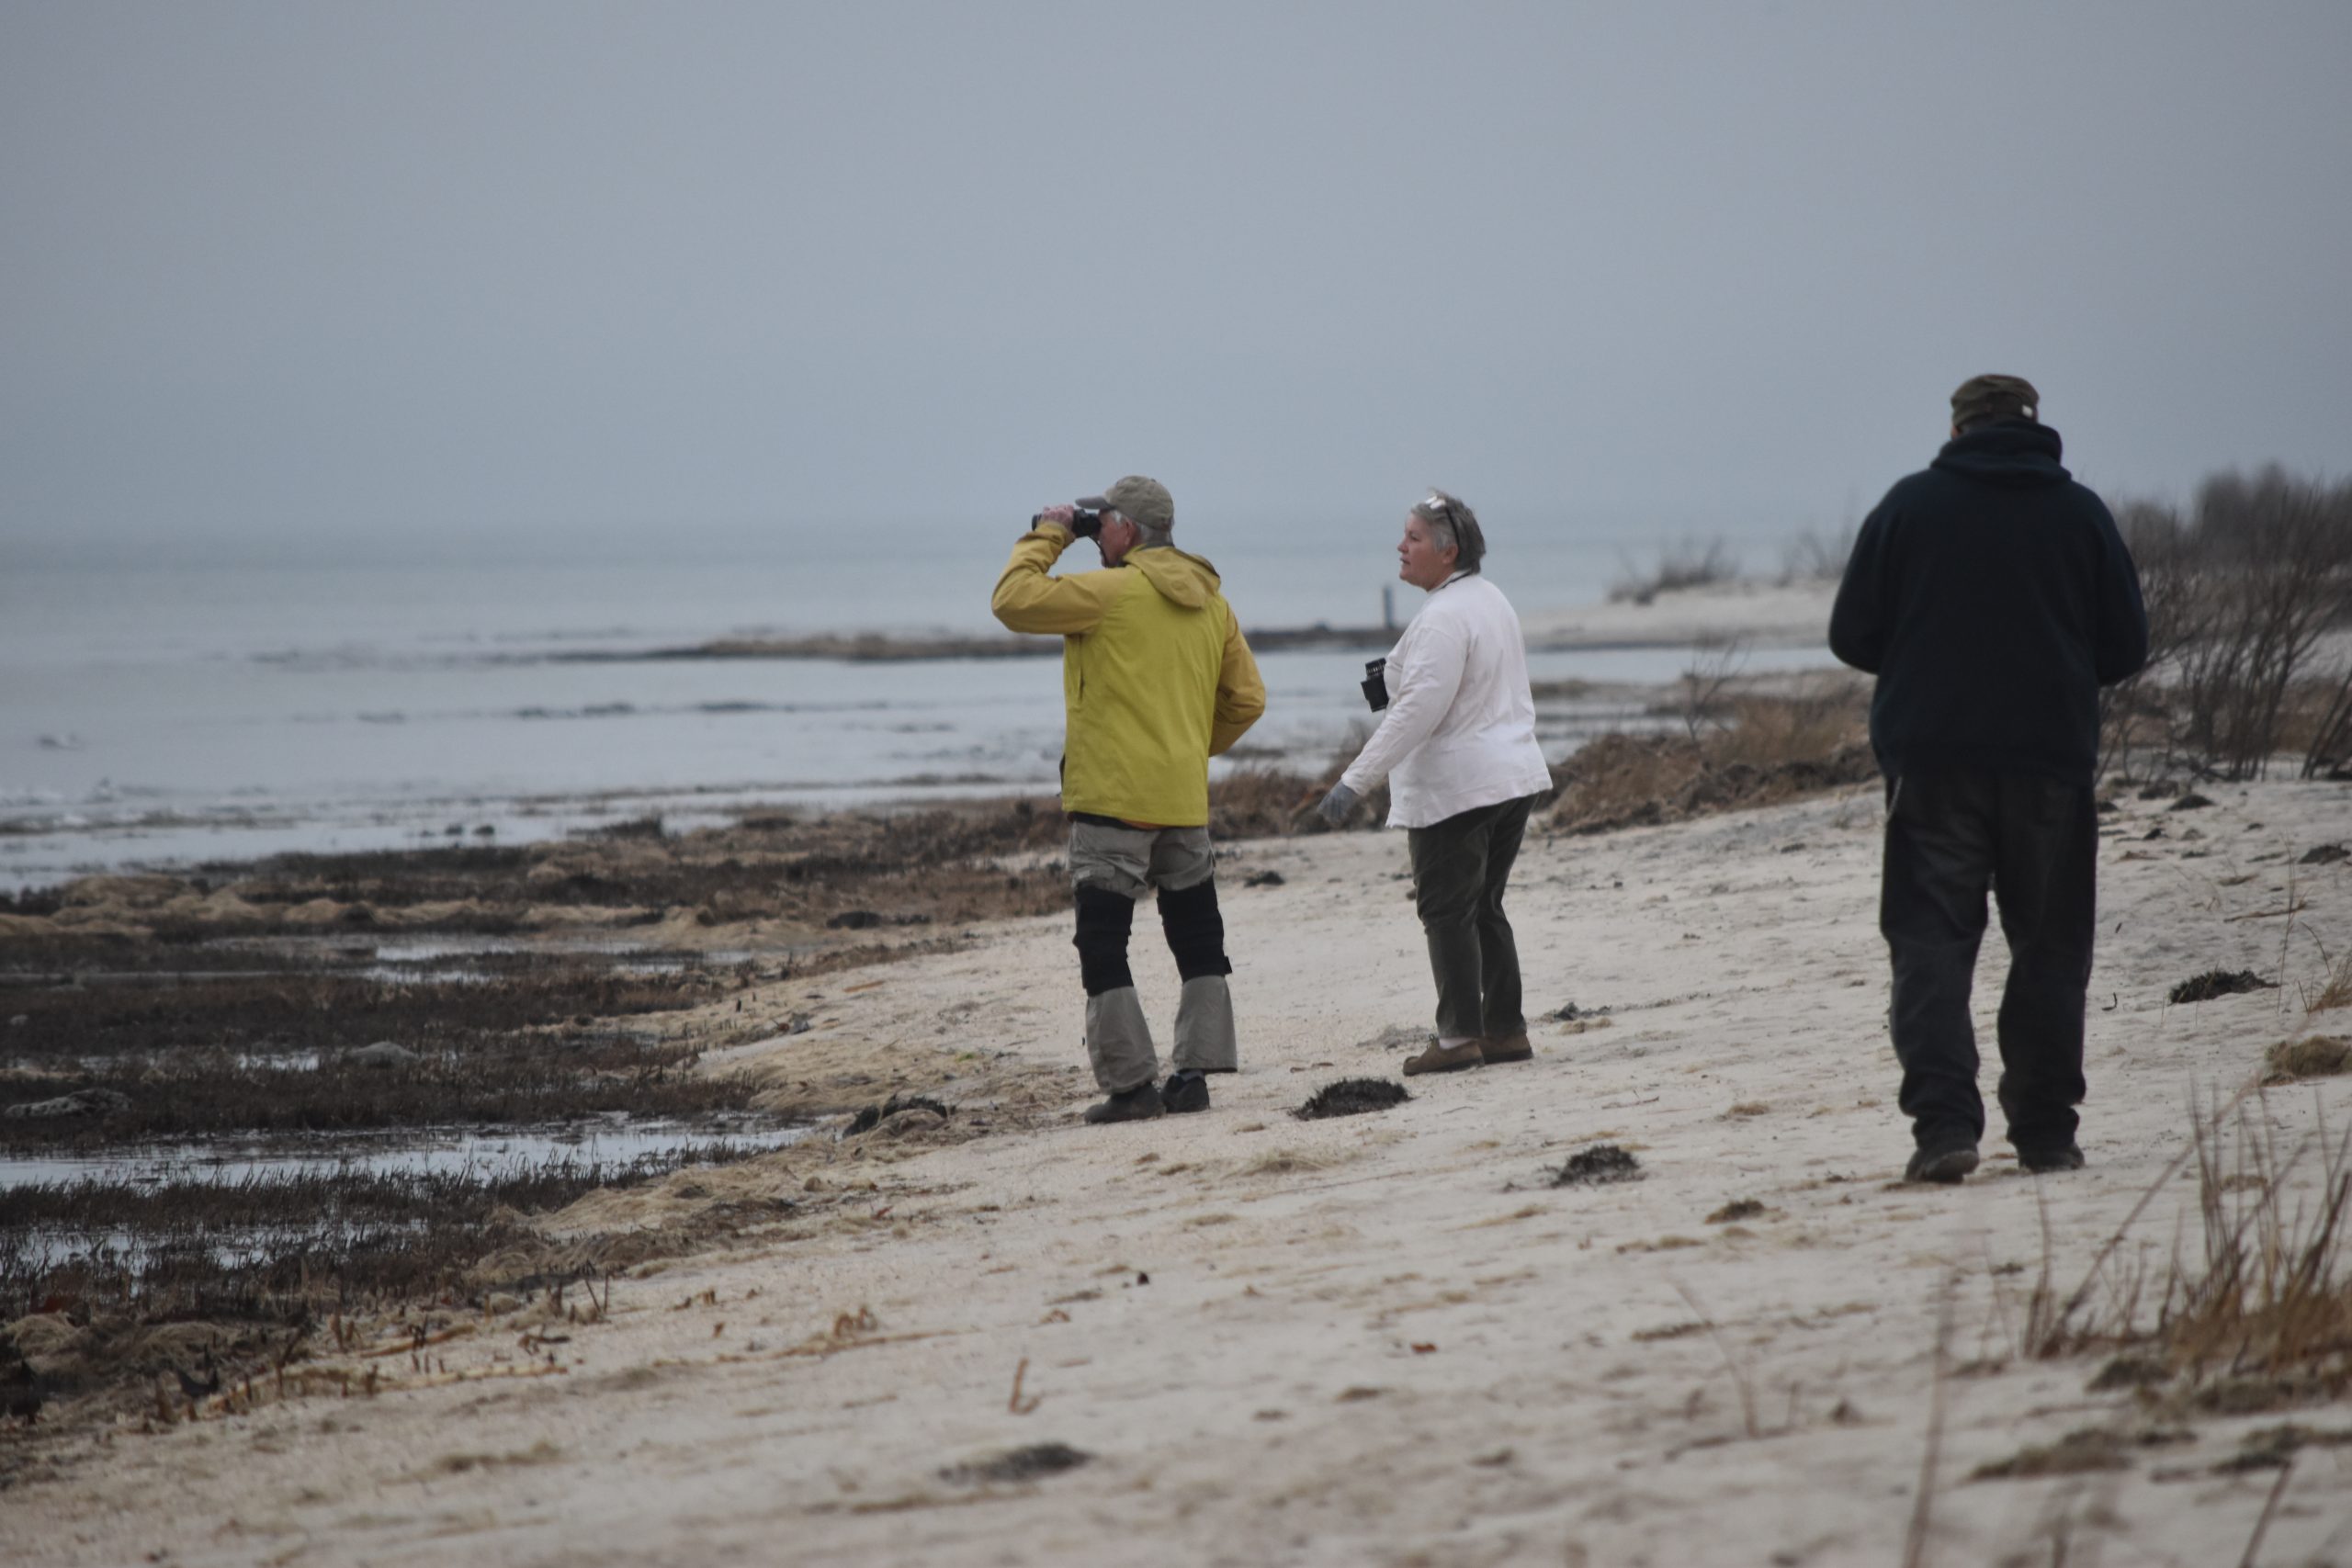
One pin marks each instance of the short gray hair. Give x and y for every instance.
(1151, 538)
(1454, 526)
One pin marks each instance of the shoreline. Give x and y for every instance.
(367, 747)
(997, 726)
(1774, 615)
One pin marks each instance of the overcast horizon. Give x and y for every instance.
(343, 283)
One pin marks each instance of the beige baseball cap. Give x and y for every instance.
(1138, 500)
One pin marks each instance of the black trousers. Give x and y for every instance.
(2034, 842)
(1460, 866)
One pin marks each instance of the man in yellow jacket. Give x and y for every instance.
(1157, 680)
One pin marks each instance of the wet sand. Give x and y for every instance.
(993, 1335)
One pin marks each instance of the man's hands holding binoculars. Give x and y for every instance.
(1079, 522)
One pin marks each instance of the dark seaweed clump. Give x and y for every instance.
(228, 1056)
(278, 1245)
(2219, 982)
(873, 1116)
(1599, 1164)
(1017, 1465)
(135, 1280)
(294, 1067)
(1352, 1097)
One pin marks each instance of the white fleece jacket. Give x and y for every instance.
(1459, 732)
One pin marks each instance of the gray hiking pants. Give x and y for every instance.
(1461, 867)
(1110, 867)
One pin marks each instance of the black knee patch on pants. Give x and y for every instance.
(1196, 930)
(1104, 919)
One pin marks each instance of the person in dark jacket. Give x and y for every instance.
(1992, 597)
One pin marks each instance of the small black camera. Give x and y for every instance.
(1376, 684)
(1085, 522)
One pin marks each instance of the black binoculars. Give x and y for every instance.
(1085, 521)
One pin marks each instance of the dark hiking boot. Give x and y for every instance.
(1944, 1164)
(1440, 1058)
(1184, 1093)
(1507, 1048)
(1140, 1103)
(2047, 1159)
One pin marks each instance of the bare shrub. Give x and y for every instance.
(2133, 713)
(1818, 557)
(2327, 711)
(1714, 665)
(1687, 563)
(2239, 598)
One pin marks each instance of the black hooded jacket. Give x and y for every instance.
(1992, 597)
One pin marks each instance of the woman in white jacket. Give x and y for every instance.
(1457, 744)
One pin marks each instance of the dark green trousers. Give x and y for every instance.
(1460, 866)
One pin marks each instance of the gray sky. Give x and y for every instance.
(395, 276)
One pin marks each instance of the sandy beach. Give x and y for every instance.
(1758, 614)
(1242, 1337)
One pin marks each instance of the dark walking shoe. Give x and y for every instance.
(1439, 1059)
(1508, 1048)
(1140, 1103)
(1944, 1164)
(2046, 1160)
(1184, 1093)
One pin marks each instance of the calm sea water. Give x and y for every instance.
(153, 717)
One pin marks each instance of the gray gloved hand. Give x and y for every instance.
(1337, 806)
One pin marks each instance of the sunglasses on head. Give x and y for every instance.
(1437, 503)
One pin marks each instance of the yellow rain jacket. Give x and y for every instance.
(1155, 675)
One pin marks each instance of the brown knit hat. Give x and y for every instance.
(1983, 399)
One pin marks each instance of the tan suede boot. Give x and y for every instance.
(1508, 1048)
(1440, 1058)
